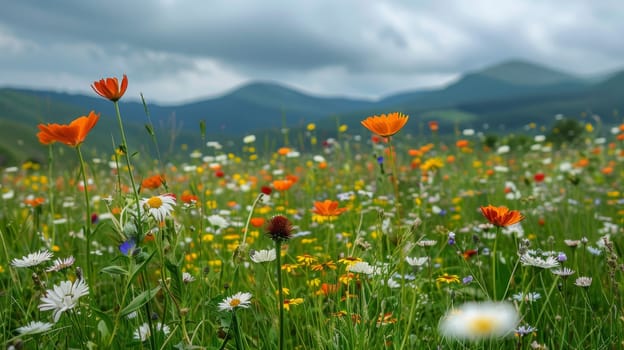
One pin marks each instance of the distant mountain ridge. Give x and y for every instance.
(512, 93)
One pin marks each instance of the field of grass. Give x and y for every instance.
(379, 245)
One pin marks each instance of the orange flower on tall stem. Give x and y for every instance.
(501, 216)
(72, 134)
(109, 88)
(327, 208)
(153, 182)
(385, 125)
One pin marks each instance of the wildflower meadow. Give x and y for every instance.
(373, 239)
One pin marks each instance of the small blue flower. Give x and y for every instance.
(127, 247)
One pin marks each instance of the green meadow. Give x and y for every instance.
(358, 242)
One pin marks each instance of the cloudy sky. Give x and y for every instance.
(184, 50)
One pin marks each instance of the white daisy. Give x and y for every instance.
(218, 221)
(361, 267)
(143, 332)
(187, 277)
(238, 300)
(564, 272)
(426, 243)
(475, 321)
(417, 261)
(35, 327)
(61, 264)
(529, 297)
(264, 255)
(33, 259)
(63, 297)
(548, 263)
(583, 281)
(159, 207)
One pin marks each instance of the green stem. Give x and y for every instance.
(395, 181)
(494, 262)
(87, 217)
(51, 193)
(135, 192)
(148, 310)
(278, 255)
(409, 319)
(237, 335)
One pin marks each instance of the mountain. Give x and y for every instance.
(263, 105)
(505, 80)
(512, 93)
(525, 73)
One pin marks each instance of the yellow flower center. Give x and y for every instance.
(234, 302)
(483, 325)
(155, 202)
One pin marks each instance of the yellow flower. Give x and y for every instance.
(295, 301)
(448, 279)
(306, 259)
(349, 260)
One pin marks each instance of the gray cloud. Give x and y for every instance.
(178, 50)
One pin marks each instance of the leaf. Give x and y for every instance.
(176, 277)
(114, 270)
(138, 268)
(150, 129)
(202, 128)
(139, 301)
(103, 329)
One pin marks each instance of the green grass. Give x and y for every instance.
(394, 305)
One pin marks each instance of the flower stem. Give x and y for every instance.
(51, 193)
(124, 145)
(87, 217)
(494, 261)
(280, 293)
(237, 335)
(395, 181)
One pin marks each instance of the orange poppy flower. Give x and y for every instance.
(72, 135)
(283, 151)
(34, 202)
(462, 143)
(434, 126)
(153, 182)
(109, 88)
(188, 198)
(257, 222)
(386, 124)
(327, 208)
(501, 216)
(282, 185)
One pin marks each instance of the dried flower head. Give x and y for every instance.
(279, 228)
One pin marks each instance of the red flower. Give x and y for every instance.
(539, 177)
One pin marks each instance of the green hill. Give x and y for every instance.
(510, 94)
